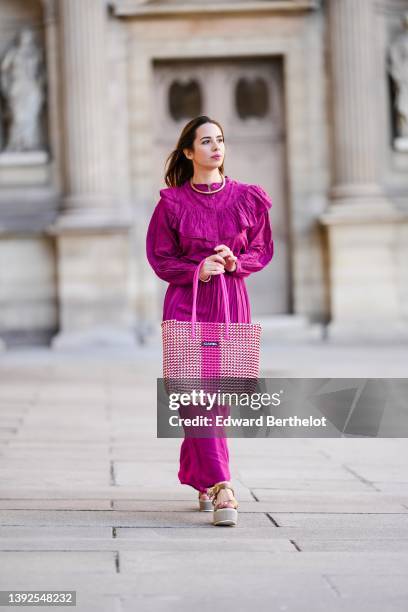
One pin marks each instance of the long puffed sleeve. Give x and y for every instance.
(163, 250)
(260, 244)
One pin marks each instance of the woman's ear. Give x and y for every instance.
(187, 153)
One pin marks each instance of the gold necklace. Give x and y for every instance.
(208, 192)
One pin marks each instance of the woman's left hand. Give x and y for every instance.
(228, 255)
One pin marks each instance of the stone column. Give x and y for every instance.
(93, 229)
(353, 86)
(84, 85)
(360, 220)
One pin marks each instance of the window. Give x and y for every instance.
(184, 100)
(251, 98)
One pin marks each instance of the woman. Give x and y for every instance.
(204, 215)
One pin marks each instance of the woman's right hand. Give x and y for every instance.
(213, 265)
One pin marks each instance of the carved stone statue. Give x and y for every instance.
(22, 87)
(398, 68)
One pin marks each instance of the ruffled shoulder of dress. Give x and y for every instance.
(169, 194)
(258, 198)
(252, 202)
(169, 200)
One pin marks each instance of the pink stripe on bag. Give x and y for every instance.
(210, 351)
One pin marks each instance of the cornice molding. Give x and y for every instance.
(146, 8)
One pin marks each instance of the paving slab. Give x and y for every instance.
(44, 563)
(391, 472)
(45, 533)
(225, 571)
(321, 485)
(313, 501)
(334, 521)
(117, 519)
(55, 504)
(285, 563)
(87, 603)
(84, 491)
(181, 506)
(368, 544)
(265, 477)
(259, 602)
(276, 546)
(59, 462)
(378, 586)
(65, 481)
(396, 486)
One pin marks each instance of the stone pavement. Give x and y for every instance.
(90, 499)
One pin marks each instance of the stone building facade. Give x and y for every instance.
(312, 96)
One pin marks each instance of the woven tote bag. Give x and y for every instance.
(211, 350)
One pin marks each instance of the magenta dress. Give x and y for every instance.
(184, 229)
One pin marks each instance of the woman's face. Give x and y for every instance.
(208, 142)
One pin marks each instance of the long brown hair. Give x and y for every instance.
(180, 168)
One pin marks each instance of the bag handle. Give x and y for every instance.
(224, 296)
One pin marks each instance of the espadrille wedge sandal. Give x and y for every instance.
(225, 513)
(204, 502)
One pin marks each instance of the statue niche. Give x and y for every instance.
(22, 88)
(398, 69)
